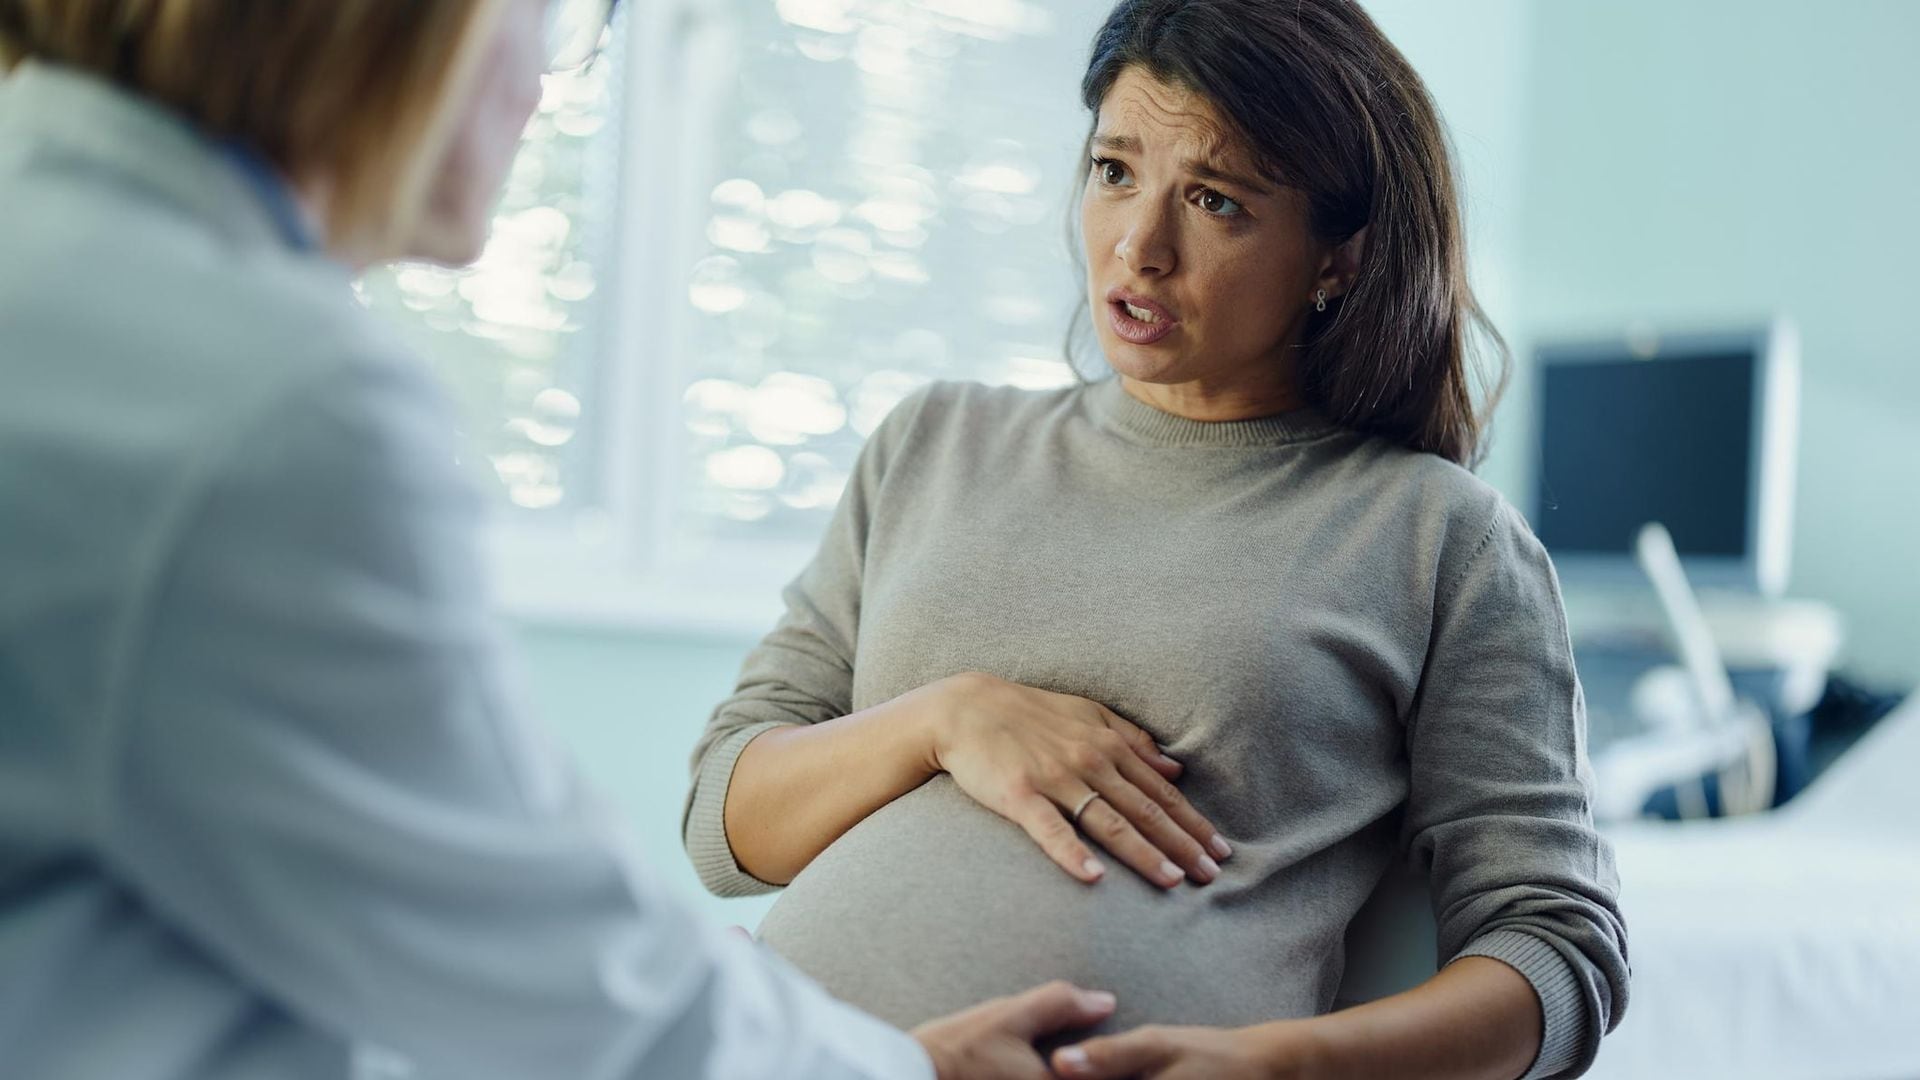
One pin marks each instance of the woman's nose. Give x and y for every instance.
(1147, 246)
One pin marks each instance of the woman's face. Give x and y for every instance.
(1200, 271)
(486, 137)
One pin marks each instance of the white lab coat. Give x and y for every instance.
(267, 795)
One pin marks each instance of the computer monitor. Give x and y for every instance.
(1696, 431)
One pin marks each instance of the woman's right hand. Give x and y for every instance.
(1033, 757)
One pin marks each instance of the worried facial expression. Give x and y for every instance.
(1200, 269)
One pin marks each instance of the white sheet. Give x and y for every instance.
(1786, 947)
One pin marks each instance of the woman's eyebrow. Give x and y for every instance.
(1207, 170)
(1202, 168)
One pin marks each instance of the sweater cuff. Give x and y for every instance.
(705, 828)
(1562, 1006)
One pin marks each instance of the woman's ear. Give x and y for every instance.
(1342, 264)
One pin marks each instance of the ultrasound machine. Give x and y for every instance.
(1662, 485)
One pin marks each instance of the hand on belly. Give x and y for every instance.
(1050, 762)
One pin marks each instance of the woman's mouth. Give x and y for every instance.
(1138, 320)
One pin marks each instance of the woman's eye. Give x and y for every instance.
(1110, 172)
(1217, 204)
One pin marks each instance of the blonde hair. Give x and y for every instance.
(358, 94)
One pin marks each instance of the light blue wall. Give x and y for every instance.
(1723, 159)
(1476, 59)
(629, 706)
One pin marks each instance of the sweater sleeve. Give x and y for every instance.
(802, 671)
(1500, 801)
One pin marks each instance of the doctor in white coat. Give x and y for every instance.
(267, 804)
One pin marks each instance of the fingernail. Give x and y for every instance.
(1219, 845)
(1169, 762)
(1073, 1059)
(1171, 872)
(1209, 868)
(1098, 1000)
(1092, 868)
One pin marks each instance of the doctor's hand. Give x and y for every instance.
(994, 1041)
(1042, 760)
(1266, 1052)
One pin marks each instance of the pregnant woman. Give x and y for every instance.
(1146, 682)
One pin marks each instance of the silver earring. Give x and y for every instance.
(1320, 300)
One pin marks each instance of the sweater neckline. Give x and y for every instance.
(1121, 412)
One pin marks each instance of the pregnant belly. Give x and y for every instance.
(934, 903)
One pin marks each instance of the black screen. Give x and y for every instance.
(1628, 441)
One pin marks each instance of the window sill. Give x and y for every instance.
(728, 592)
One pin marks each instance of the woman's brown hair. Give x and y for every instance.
(355, 92)
(1330, 108)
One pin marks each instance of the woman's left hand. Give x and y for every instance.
(1266, 1052)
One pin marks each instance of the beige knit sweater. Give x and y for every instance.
(1358, 652)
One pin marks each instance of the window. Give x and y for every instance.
(513, 336)
(726, 255)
